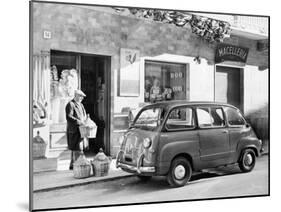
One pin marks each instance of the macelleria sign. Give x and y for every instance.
(226, 52)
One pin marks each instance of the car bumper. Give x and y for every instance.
(135, 169)
(139, 170)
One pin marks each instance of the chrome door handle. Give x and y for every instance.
(224, 131)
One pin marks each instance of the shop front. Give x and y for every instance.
(122, 63)
(56, 75)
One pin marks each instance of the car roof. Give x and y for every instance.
(175, 103)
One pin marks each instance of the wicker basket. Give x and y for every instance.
(39, 150)
(101, 164)
(100, 168)
(83, 131)
(39, 146)
(87, 132)
(81, 168)
(92, 132)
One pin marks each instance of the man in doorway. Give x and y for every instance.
(75, 116)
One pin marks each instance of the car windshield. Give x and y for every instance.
(149, 119)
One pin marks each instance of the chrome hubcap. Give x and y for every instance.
(248, 159)
(179, 172)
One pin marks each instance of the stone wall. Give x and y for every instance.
(93, 31)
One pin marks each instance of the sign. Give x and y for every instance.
(226, 52)
(129, 72)
(47, 34)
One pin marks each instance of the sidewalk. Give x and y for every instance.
(63, 178)
(46, 181)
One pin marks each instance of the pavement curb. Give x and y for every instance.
(83, 183)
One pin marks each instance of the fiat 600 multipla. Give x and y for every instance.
(177, 138)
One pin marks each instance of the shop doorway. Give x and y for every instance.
(94, 83)
(90, 73)
(229, 85)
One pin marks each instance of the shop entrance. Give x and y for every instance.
(229, 86)
(91, 74)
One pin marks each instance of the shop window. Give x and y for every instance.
(64, 80)
(41, 89)
(165, 81)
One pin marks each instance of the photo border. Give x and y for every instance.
(141, 203)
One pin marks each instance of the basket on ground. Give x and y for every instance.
(101, 164)
(39, 146)
(81, 167)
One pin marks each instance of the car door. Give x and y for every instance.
(178, 135)
(237, 128)
(213, 135)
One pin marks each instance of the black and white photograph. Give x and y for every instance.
(137, 105)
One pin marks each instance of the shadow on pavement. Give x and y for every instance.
(160, 183)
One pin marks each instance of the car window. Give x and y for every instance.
(149, 119)
(204, 118)
(180, 118)
(233, 116)
(210, 117)
(217, 117)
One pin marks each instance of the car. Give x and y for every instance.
(178, 138)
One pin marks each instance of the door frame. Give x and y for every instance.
(241, 69)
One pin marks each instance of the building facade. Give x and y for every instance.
(122, 62)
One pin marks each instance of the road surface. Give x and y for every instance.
(222, 182)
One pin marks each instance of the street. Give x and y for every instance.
(222, 182)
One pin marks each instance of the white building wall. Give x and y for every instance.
(201, 81)
(255, 90)
(132, 102)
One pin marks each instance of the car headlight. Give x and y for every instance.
(147, 143)
(121, 139)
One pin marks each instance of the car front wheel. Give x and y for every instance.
(180, 172)
(247, 161)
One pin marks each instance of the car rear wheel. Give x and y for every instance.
(180, 172)
(144, 178)
(247, 160)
